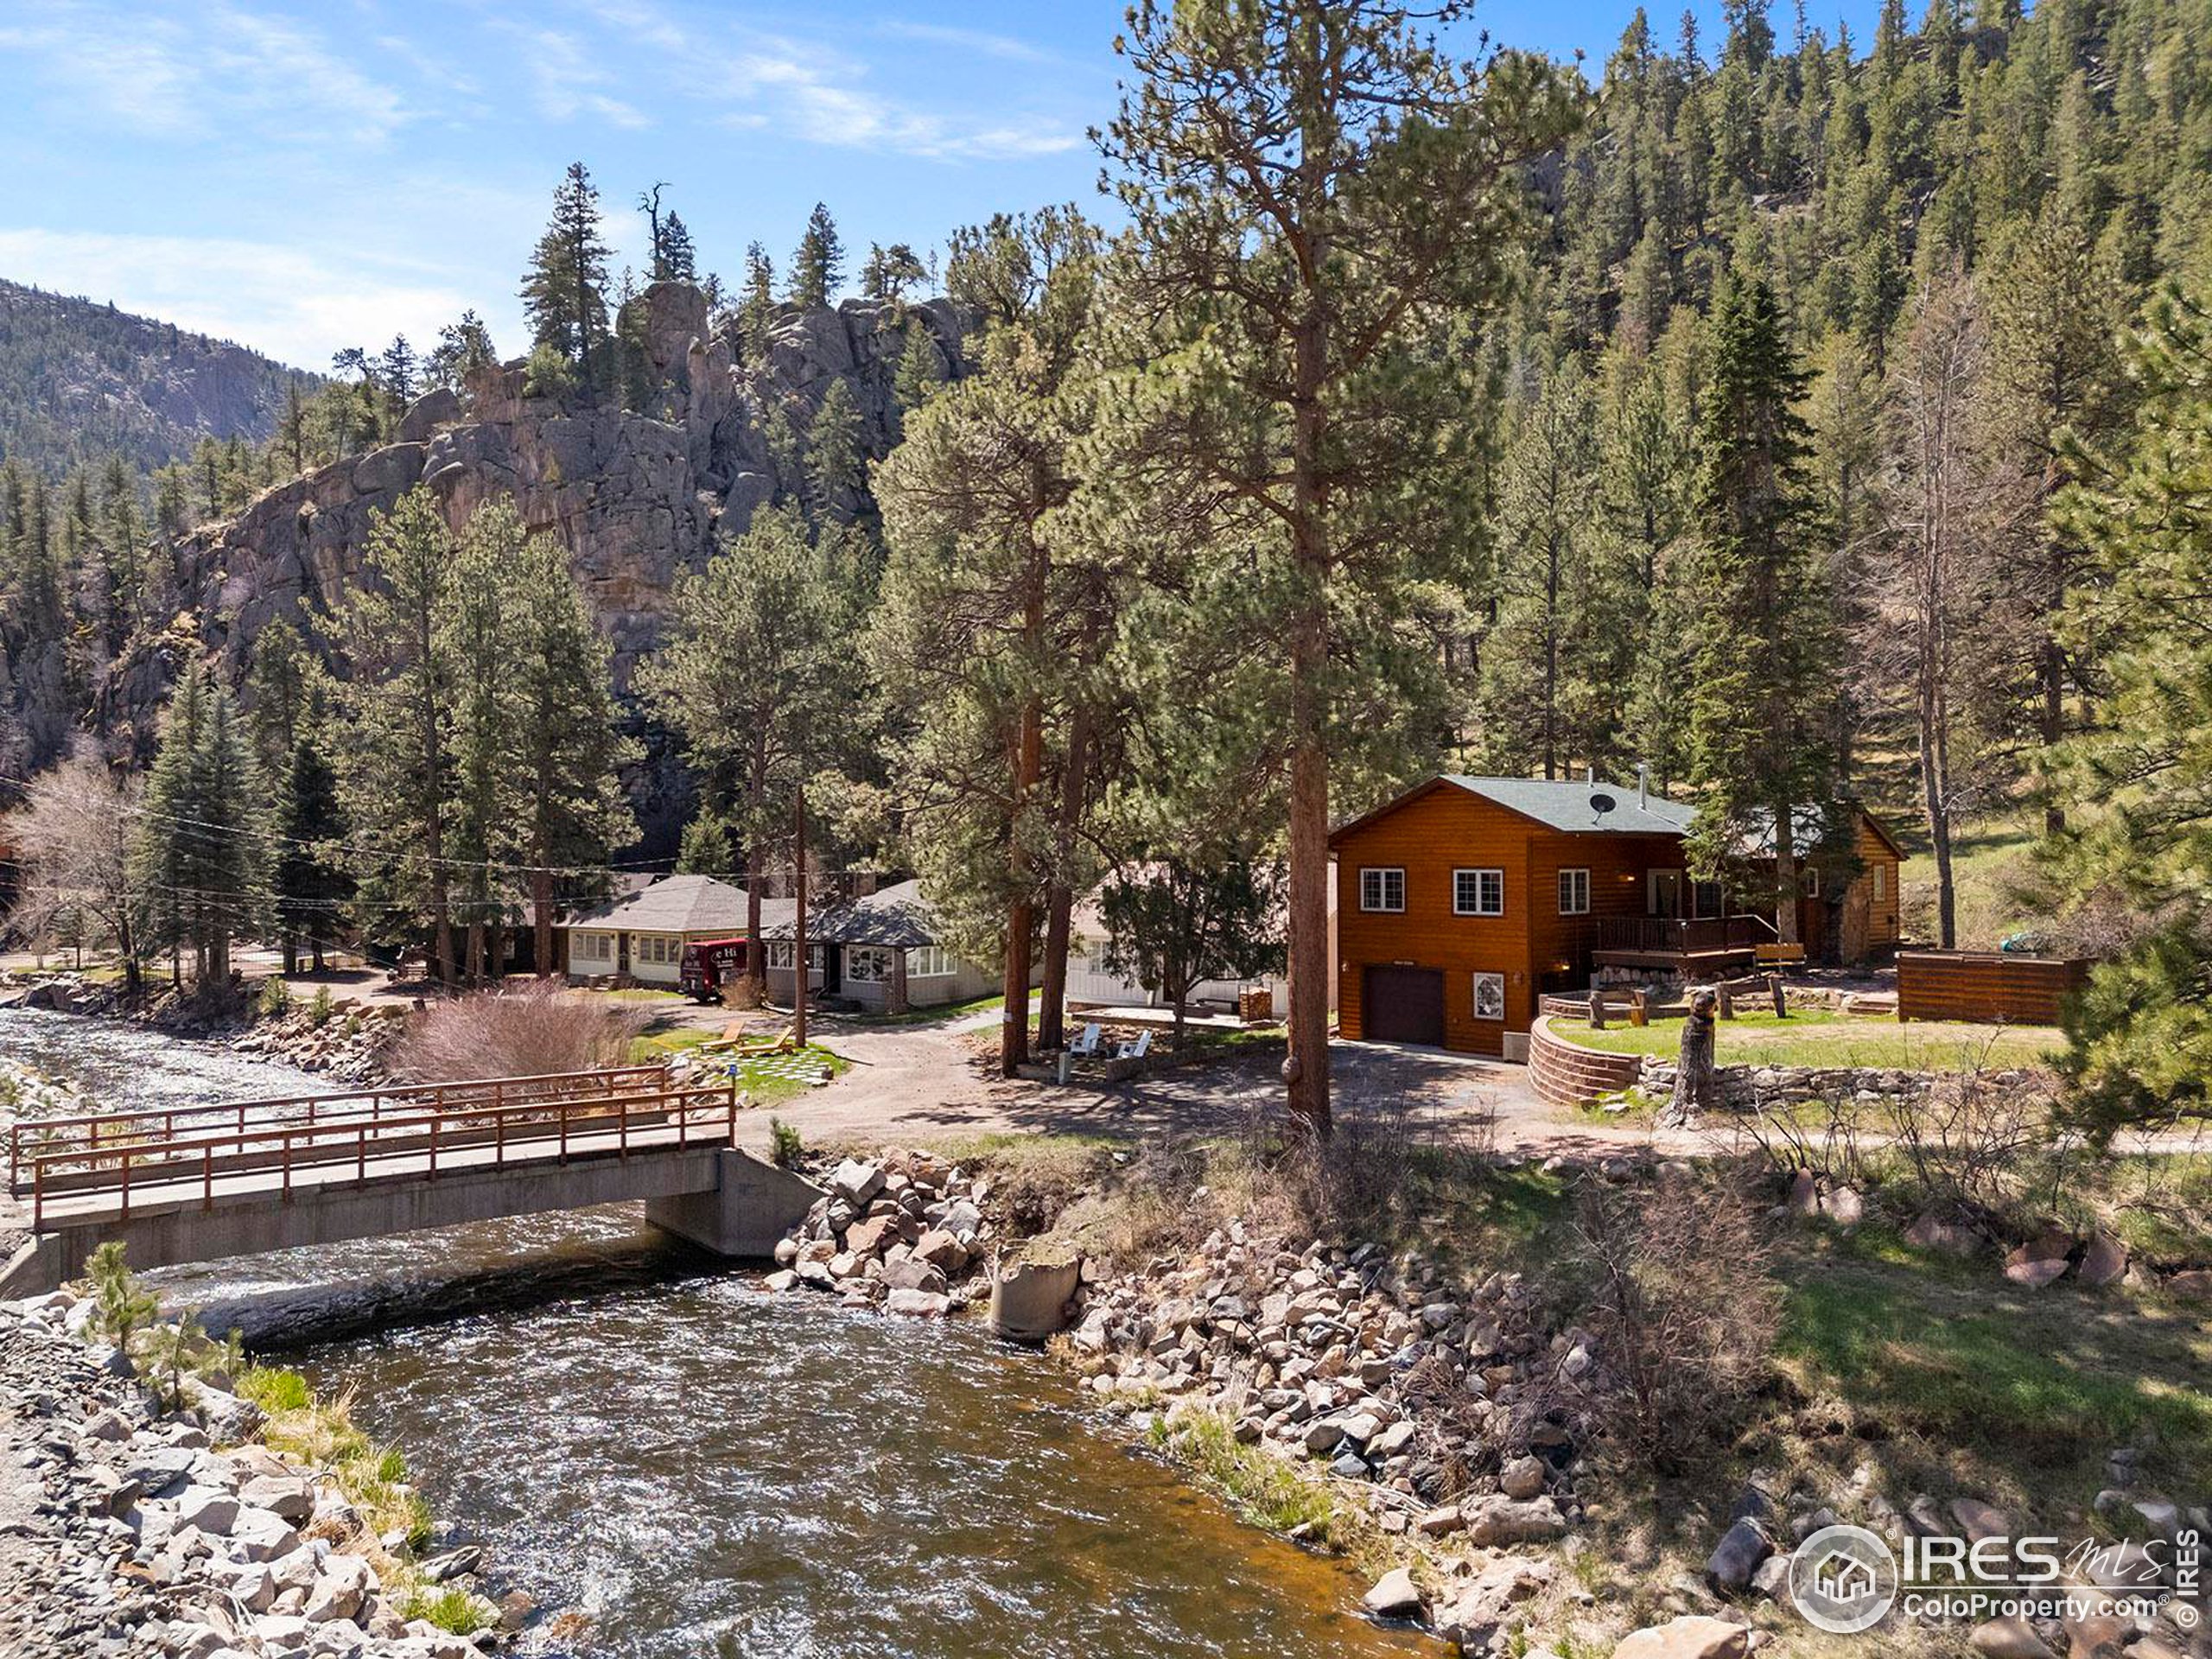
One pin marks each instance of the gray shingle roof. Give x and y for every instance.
(674, 903)
(897, 915)
(1573, 806)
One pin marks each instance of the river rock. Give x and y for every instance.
(1394, 1596)
(2105, 1262)
(919, 1304)
(2009, 1638)
(856, 1182)
(865, 1238)
(1691, 1637)
(1477, 1616)
(453, 1563)
(289, 1498)
(914, 1274)
(1501, 1520)
(1738, 1555)
(1521, 1478)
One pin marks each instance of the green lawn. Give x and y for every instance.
(1815, 1036)
(1994, 1380)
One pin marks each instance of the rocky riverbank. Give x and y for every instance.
(137, 1525)
(1435, 1428)
(347, 1042)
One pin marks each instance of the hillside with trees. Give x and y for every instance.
(81, 382)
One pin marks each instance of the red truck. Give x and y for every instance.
(709, 964)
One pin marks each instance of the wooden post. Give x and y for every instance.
(1597, 1009)
(1724, 1000)
(1781, 1001)
(798, 925)
(1639, 1008)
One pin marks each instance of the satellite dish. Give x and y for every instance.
(1602, 802)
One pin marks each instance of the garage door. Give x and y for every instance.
(1402, 1005)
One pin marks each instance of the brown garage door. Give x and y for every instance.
(1402, 1005)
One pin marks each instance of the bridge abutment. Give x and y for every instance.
(752, 1204)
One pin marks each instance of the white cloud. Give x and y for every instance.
(566, 75)
(296, 305)
(970, 39)
(152, 72)
(825, 110)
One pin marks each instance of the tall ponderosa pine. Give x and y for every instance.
(205, 835)
(818, 263)
(564, 293)
(396, 777)
(994, 612)
(289, 695)
(753, 677)
(1316, 189)
(1761, 702)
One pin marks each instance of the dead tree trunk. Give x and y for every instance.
(1695, 1081)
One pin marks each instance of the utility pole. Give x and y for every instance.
(798, 925)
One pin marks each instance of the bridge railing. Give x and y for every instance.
(610, 1123)
(96, 1131)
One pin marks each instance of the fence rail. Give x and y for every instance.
(1682, 935)
(632, 1105)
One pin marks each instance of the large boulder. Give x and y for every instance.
(1691, 1637)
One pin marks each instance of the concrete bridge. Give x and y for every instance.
(193, 1184)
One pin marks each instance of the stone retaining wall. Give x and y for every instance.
(1748, 1088)
(1564, 1074)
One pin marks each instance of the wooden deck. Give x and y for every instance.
(1691, 947)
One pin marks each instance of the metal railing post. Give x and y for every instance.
(207, 1176)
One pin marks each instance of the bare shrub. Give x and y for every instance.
(1822, 1137)
(1972, 1145)
(1683, 1312)
(1373, 1178)
(532, 1030)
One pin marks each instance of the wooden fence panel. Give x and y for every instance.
(1986, 986)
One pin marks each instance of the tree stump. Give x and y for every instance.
(1597, 1010)
(1695, 1083)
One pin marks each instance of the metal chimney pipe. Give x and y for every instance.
(1643, 783)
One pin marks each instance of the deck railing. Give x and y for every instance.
(514, 1116)
(1682, 935)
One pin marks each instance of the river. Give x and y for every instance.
(645, 1439)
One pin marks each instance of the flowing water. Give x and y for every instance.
(646, 1440)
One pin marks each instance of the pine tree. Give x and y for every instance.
(919, 373)
(396, 772)
(474, 624)
(567, 747)
(564, 293)
(1762, 703)
(817, 264)
(1362, 184)
(203, 845)
(677, 262)
(756, 309)
(706, 848)
(754, 678)
(835, 458)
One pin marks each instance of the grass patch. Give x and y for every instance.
(1997, 888)
(372, 1477)
(1264, 1489)
(665, 1045)
(2028, 1386)
(1816, 1036)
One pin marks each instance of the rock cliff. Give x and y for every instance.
(636, 497)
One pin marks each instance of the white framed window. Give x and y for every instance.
(1383, 889)
(1812, 882)
(867, 964)
(1574, 892)
(780, 956)
(1881, 876)
(1479, 892)
(594, 947)
(929, 962)
(652, 947)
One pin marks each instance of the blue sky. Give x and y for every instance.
(301, 177)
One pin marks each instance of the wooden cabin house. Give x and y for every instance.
(1464, 899)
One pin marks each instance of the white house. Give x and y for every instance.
(882, 951)
(639, 934)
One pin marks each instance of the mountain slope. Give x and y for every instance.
(80, 381)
